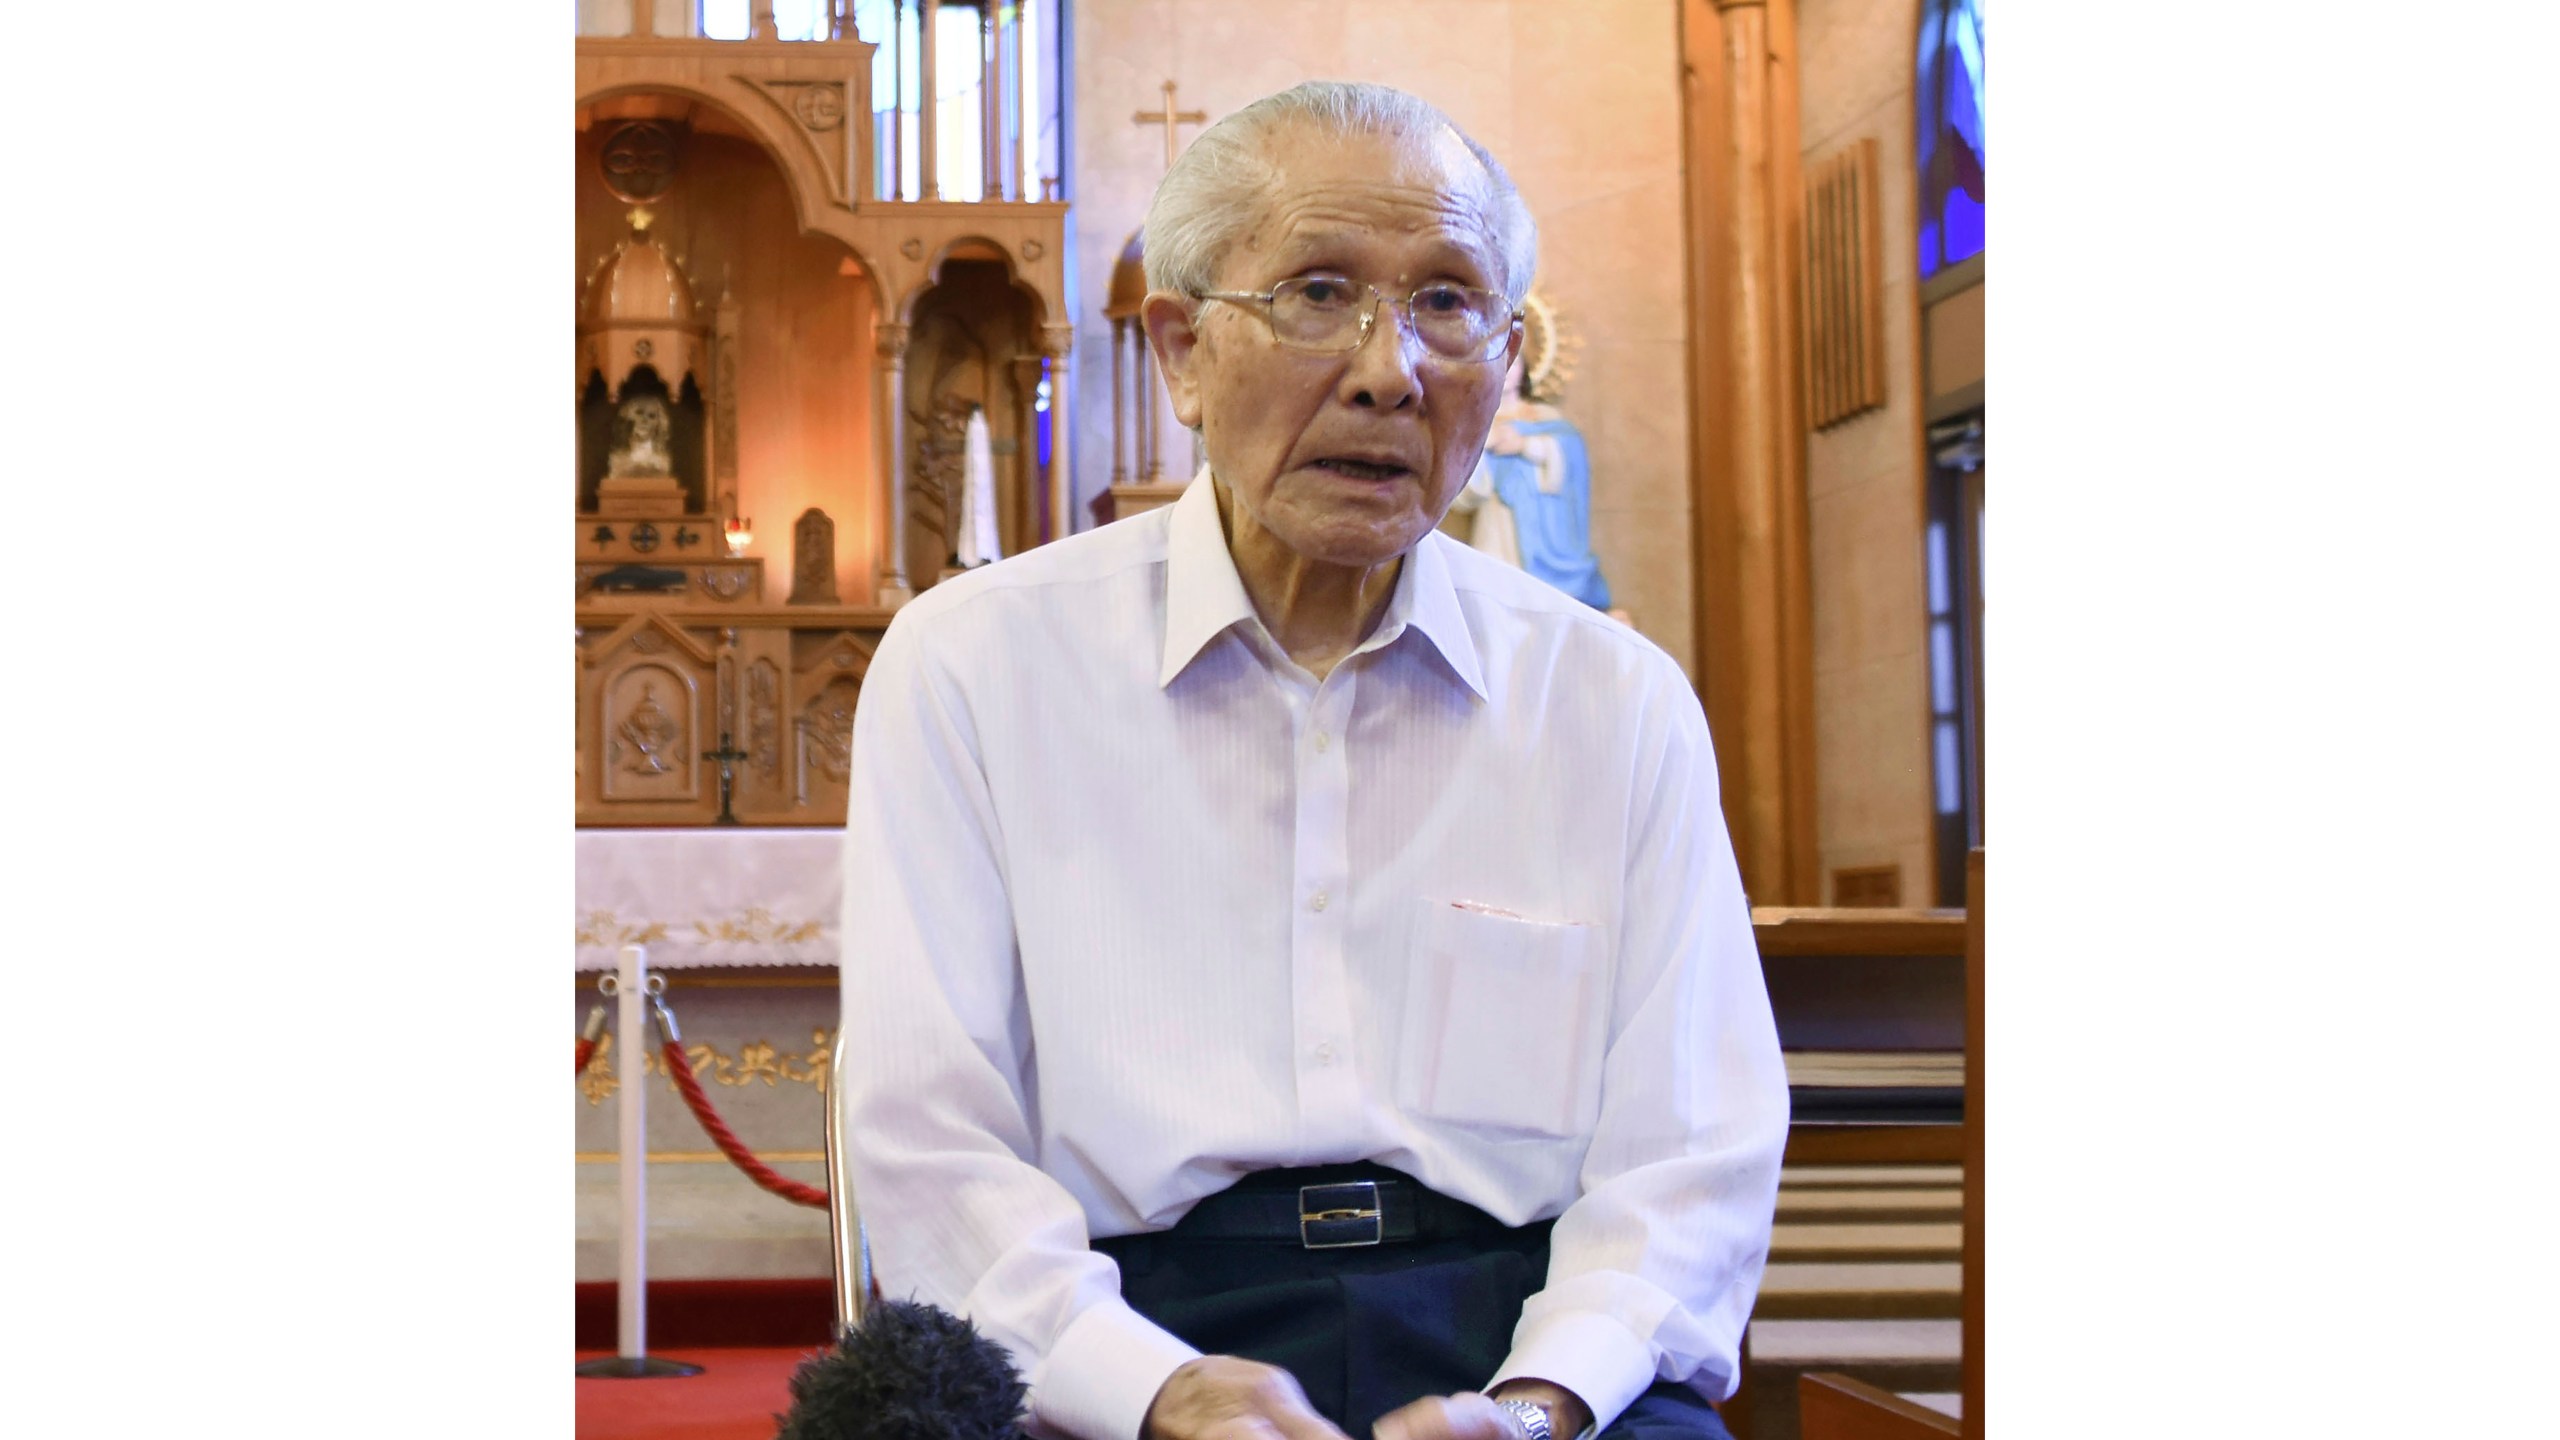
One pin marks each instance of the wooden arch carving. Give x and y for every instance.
(814, 198)
(978, 247)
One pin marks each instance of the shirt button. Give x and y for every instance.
(1320, 901)
(1322, 740)
(1325, 1053)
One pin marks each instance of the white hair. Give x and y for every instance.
(1219, 184)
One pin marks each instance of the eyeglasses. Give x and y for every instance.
(1331, 315)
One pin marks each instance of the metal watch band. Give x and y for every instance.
(1532, 1417)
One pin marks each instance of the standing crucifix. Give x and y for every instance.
(728, 755)
(1169, 117)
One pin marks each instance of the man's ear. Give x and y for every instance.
(1175, 338)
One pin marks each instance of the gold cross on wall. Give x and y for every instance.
(1169, 117)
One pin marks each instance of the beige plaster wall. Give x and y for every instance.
(1865, 481)
(1581, 102)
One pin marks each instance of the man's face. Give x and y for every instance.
(1347, 459)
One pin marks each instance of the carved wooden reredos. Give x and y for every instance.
(768, 354)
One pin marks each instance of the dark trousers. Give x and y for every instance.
(1368, 1329)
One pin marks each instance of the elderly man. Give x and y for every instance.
(1221, 1044)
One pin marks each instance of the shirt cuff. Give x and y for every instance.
(1104, 1371)
(1591, 1355)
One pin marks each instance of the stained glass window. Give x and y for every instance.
(1949, 138)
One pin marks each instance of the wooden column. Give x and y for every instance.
(1025, 529)
(1142, 399)
(1016, 91)
(897, 99)
(929, 185)
(726, 503)
(1055, 342)
(1119, 404)
(991, 102)
(889, 403)
(1754, 592)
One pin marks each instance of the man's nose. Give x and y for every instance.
(1384, 373)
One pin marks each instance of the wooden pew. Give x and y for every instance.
(1835, 1407)
(1878, 983)
(1832, 1406)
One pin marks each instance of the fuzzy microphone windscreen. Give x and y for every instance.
(907, 1372)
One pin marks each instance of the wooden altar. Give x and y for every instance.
(777, 359)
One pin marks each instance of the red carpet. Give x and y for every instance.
(723, 1313)
(736, 1397)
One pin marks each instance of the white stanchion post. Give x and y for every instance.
(632, 1310)
(848, 1246)
(631, 1319)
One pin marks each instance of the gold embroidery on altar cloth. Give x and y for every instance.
(603, 927)
(756, 1060)
(758, 927)
(753, 926)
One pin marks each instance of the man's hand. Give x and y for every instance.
(1219, 1397)
(1470, 1416)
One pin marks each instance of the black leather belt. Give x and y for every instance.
(1330, 1213)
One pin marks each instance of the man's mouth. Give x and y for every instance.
(1362, 469)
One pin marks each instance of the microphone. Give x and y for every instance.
(909, 1371)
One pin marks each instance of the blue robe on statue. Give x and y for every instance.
(1555, 526)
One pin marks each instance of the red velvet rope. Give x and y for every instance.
(586, 1055)
(739, 1155)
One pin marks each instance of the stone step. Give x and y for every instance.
(1840, 1344)
(1870, 1205)
(1818, 1290)
(1832, 1176)
(1829, 1069)
(1865, 1243)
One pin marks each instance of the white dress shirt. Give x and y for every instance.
(1135, 906)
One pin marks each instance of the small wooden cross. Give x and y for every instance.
(1169, 117)
(728, 756)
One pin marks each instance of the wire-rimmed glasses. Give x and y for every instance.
(1331, 315)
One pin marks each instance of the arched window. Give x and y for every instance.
(1948, 142)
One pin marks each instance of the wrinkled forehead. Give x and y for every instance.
(1423, 194)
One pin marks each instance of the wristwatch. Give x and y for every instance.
(1533, 1418)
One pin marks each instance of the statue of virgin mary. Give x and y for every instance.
(1531, 492)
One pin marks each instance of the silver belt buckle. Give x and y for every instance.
(1335, 1217)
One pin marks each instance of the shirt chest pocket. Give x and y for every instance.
(1504, 1022)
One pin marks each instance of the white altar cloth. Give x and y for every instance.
(710, 896)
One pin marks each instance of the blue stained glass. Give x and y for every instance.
(1040, 428)
(1941, 596)
(1950, 796)
(1948, 143)
(1942, 667)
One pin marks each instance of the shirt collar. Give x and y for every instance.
(1204, 595)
